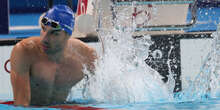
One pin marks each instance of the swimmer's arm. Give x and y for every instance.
(20, 76)
(87, 52)
(92, 58)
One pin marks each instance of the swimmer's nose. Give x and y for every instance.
(45, 30)
(46, 35)
(45, 40)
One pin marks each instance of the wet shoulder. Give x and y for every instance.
(28, 43)
(80, 46)
(22, 50)
(83, 51)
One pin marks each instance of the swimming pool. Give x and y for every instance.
(123, 81)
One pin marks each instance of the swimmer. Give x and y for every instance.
(44, 69)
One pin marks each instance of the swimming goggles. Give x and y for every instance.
(50, 22)
(53, 24)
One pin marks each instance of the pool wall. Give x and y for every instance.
(5, 85)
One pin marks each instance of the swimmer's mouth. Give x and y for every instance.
(45, 47)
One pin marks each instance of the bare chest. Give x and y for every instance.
(61, 75)
(51, 81)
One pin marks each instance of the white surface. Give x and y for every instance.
(5, 84)
(85, 23)
(193, 53)
(159, 14)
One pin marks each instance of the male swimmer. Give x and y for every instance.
(44, 69)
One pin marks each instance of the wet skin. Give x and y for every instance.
(44, 69)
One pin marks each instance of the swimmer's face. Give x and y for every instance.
(53, 40)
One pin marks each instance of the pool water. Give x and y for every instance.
(211, 104)
(9, 107)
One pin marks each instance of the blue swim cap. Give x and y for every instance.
(63, 15)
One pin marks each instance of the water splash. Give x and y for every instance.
(212, 67)
(121, 74)
(206, 84)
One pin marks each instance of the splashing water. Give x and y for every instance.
(206, 84)
(122, 76)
